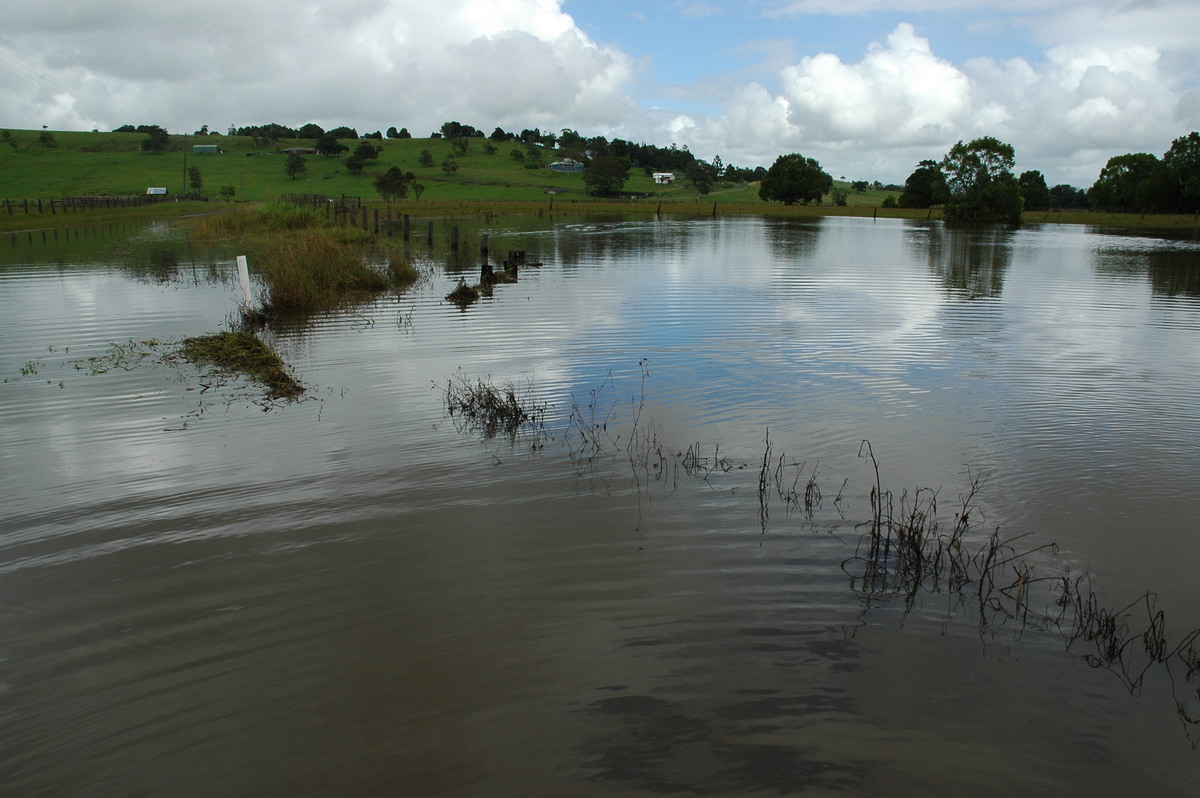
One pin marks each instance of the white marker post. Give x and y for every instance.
(244, 278)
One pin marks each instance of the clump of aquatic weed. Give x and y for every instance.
(243, 353)
(492, 410)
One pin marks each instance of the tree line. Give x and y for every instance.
(976, 180)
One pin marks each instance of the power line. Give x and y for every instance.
(27, 75)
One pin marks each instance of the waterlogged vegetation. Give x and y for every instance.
(905, 552)
(243, 353)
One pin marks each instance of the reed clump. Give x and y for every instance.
(243, 353)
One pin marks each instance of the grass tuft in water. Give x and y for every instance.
(243, 353)
(309, 271)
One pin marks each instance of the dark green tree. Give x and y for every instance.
(1182, 166)
(702, 176)
(982, 187)
(500, 135)
(310, 131)
(228, 192)
(449, 165)
(367, 151)
(328, 144)
(156, 139)
(194, 179)
(794, 178)
(355, 164)
(393, 184)
(343, 133)
(1064, 196)
(1034, 191)
(924, 188)
(1126, 183)
(426, 158)
(392, 133)
(606, 175)
(295, 165)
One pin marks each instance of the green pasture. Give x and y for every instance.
(34, 165)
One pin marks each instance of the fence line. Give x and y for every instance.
(84, 203)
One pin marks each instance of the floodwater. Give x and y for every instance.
(206, 593)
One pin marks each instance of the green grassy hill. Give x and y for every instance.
(77, 164)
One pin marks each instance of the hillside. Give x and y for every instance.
(65, 163)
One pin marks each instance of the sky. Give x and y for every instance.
(866, 87)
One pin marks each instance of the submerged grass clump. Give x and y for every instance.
(243, 353)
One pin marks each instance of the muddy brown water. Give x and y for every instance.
(202, 593)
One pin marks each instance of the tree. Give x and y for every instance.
(425, 158)
(1034, 191)
(46, 139)
(393, 184)
(794, 178)
(156, 139)
(328, 144)
(460, 145)
(449, 165)
(355, 164)
(367, 151)
(1125, 183)
(295, 165)
(500, 135)
(981, 183)
(1065, 196)
(605, 175)
(343, 133)
(194, 179)
(702, 176)
(310, 131)
(228, 192)
(924, 188)
(1182, 166)
(392, 133)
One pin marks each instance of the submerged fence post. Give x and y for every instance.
(454, 237)
(483, 247)
(429, 235)
(244, 278)
(404, 226)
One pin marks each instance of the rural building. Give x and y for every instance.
(206, 149)
(664, 177)
(567, 165)
(156, 190)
